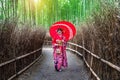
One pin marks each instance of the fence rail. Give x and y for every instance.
(69, 43)
(117, 68)
(24, 68)
(97, 57)
(17, 58)
(20, 58)
(85, 63)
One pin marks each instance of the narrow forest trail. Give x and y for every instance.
(44, 69)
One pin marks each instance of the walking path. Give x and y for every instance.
(44, 69)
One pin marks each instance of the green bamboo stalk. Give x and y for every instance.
(46, 12)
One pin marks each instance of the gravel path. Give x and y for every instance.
(44, 69)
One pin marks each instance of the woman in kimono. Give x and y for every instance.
(59, 53)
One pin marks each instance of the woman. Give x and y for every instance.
(59, 53)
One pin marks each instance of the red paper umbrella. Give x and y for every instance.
(68, 29)
(69, 24)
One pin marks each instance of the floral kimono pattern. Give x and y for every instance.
(59, 53)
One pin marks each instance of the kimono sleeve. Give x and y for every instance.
(64, 41)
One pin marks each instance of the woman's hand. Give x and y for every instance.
(63, 41)
(56, 44)
(59, 41)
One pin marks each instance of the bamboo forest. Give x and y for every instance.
(31, 30)
(45, 12)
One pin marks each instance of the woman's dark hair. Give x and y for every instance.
(59, 29)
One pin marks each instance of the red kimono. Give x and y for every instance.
(59, 53)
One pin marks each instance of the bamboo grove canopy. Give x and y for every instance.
(46, 12)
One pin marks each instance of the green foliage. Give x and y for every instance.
(46, 12)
